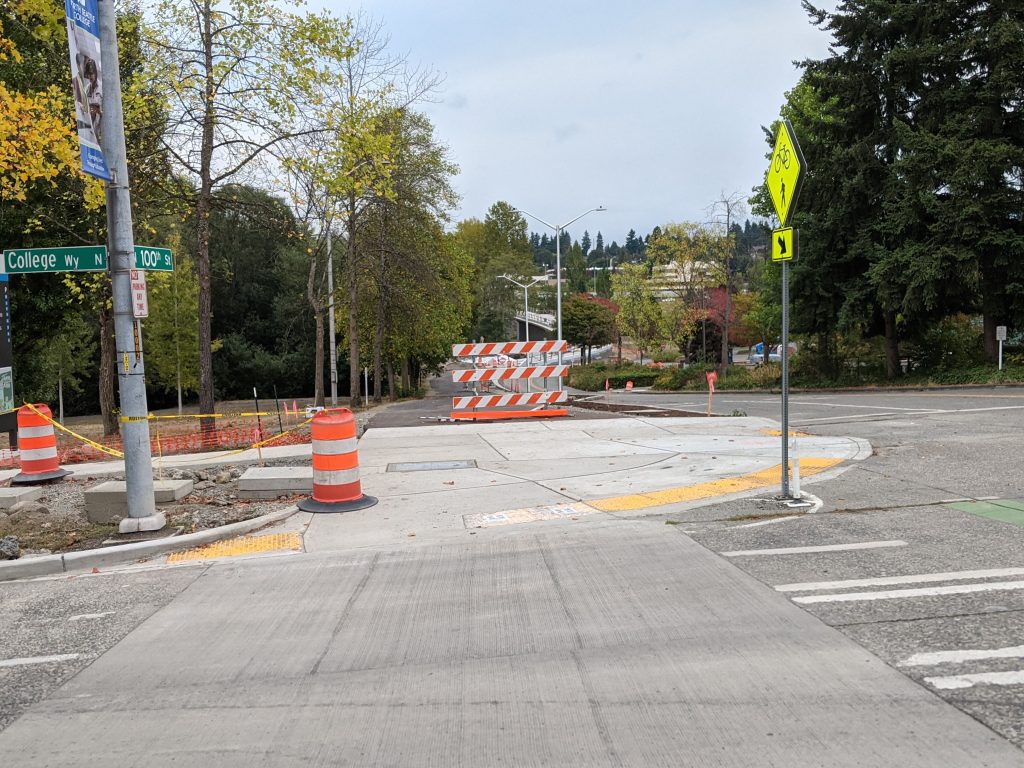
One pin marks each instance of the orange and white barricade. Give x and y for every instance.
(37, 444)
(336, 485)
(480, 407)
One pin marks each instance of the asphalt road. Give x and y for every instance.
(930, 449)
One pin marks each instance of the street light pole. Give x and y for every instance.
(559, 228)
(526, 298)
(138, 459)
(526, 309)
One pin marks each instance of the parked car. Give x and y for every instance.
(774, 355)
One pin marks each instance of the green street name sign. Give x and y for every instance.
(89, 258)
(86, 258)
(154, 259)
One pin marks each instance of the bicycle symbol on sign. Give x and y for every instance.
(782, 159)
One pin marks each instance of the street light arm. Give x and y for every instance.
(592, 210)
(516, 282)
(538, 218)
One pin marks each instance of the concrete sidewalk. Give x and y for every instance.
(526, 472)
(617, 643)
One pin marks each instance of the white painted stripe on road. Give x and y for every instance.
(811, 550)
(979, 410)
(37, 660)
(875, 407)
(845, 418)
(958, 657)
(892, 581)
(952, 682)
(895, 594)
(88, 616)
(768, 522)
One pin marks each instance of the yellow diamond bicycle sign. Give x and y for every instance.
(786, 172)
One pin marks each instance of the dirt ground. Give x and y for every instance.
(57, 521)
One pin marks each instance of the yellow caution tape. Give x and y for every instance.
(189, 416)
(62, 428)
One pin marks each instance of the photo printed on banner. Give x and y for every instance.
(87, 83)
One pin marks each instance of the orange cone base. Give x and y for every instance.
(323, 507)
(39, 477)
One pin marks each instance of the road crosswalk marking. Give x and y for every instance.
(960, 656)
(895, 594)
(892, 581)
(952, 682)
(812, 550)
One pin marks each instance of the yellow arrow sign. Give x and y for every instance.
(784, 244)
(785, 172)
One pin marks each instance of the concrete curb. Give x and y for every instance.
(804, 390)
(49, 565)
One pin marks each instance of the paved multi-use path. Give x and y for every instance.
(536, 609)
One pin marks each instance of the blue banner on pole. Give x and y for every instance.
(87, 83)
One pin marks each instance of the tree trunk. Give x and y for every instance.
(392, 389)
(406, 380)
(989, 323)
(204, 203)
(378, 343)
(318, 367)
(353, 306)
(892, 347)
(108, 372)
(318, 318)
(60, 394)
(725, 324)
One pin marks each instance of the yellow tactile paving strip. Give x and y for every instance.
(242, 545)
(753, 481)
(778, 433)
(723, 487)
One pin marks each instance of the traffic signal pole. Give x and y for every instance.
(138, 460)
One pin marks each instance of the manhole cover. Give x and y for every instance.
(427, 466)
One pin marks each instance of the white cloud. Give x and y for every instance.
(651, 109)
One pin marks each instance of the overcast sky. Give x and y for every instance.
(651, 108)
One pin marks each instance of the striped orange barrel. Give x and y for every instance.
(37, 443)
(336, 485)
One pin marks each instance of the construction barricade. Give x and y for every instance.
(37, 444)
(485, 406)
(336, 485)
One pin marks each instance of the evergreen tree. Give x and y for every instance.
(585, 243)
(575, 269)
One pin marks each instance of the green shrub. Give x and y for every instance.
(954, 344)
(684, 378)
(591, 378)
(666, 356)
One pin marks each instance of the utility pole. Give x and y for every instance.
(138, 461)
(330, 321)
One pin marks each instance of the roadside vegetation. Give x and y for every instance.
(911, 237)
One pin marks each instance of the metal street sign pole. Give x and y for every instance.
(785, 379)
(783, 180)
(138, 461)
